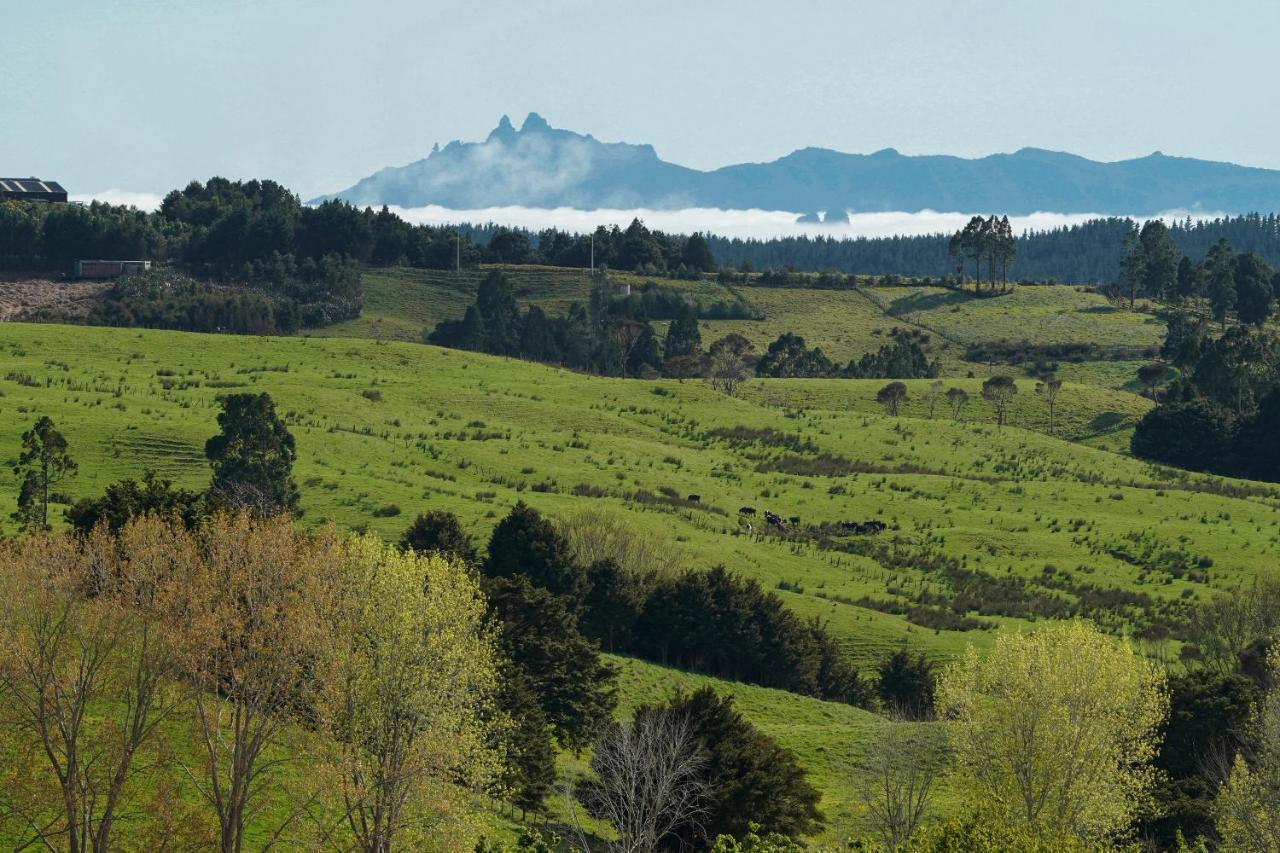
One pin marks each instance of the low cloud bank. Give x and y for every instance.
(760, 224)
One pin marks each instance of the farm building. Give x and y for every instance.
(110, 269)
(31, 189)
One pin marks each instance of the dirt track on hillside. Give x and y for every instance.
(24, 298)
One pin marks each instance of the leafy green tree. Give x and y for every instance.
(1220, 270)
(496, 305)
(129, 499)
(1160, 260)
(539, 635)
(1208, 715)
(905, 358)
(905, 684)
(409, 698)
(1151, 375)
(529, 760)
(1133, 265)
(1183, 340)
(972, 242)
(1189, 278)
(644, 354)
(1257, 453)
(697, 255)
(788, 356)
(683, 337)
(1254, 296)
(525, 543)
(891, 397)
(999, 392)
(755, 785)
(43, 463)
(1056, 729)
(957, 399)
(614, 604)
(252, 456)
(537, 337)
(439, 532)
(1194, 434)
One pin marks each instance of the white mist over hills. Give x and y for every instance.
(747, 224)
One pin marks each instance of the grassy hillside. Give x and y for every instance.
(386, 430)
(1041, 315)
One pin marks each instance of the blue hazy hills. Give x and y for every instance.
(541, 166)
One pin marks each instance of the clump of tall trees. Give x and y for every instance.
(990, 241)
(1228, 284)
(903, 358)
(1218, 414)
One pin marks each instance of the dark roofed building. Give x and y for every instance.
(31, 189)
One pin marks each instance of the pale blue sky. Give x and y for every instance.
(144, 95)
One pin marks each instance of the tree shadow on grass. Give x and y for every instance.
(927, 302)
(1107, 421)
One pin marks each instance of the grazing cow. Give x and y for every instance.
(874, 527)
(771, 518)
(693, 499)
(795, 519)
(747, 510)
(851, 526)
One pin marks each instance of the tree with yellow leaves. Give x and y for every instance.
(409, 698)
(1056, 730)
(88, 674)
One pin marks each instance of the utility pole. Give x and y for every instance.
(458, 256)
(593, 254)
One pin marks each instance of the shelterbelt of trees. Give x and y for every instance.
(612, 335)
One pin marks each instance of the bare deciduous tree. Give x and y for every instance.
(957, 398)
(727, 363)
(648, 782)
(902, 767)
(931, 396)
(1049, 388)
(595, 535)
(1223, 628)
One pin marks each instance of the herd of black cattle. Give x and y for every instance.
(857, 528)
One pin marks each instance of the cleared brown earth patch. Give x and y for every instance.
(31, 298)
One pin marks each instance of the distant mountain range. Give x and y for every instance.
(542, 166)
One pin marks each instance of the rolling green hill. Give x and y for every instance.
(386, 430)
